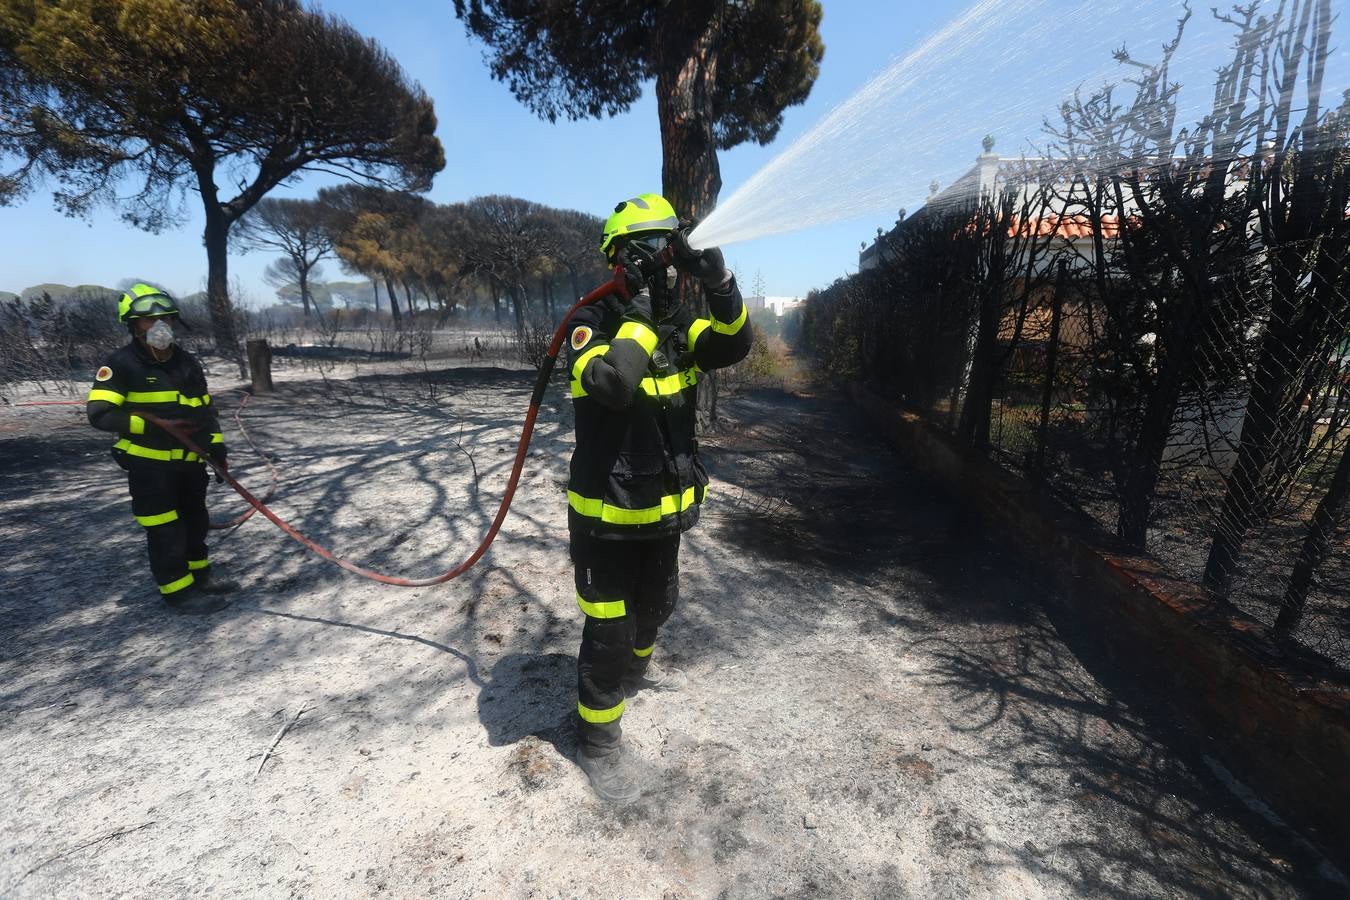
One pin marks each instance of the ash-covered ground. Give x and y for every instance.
(881, 703)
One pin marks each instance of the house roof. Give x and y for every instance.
(1071, 228)
(988, 170)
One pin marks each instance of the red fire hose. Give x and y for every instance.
(214, 526)
(271, 489)
(615, 285)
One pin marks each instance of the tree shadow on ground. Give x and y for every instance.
(1056, 712)
(77, 592)
(812, 508)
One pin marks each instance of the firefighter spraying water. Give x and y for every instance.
(636, 480)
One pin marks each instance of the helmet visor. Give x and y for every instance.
(647, 247)
(654, 244)
(153, 305)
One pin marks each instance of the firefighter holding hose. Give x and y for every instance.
(167, 481)
(636, 479)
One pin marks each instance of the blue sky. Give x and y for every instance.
(494, 145)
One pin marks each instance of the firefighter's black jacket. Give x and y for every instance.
(132, 381)
(635, 472)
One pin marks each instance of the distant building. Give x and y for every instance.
(1026, 176)
(990, 173)
(777, 305)
(1211, 428)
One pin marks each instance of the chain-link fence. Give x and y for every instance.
(1188, 387)
(1152, 318)
(1249, 490)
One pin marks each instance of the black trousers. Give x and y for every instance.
(169, 501)
(627, 589)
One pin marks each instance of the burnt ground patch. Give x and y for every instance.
(881, 703)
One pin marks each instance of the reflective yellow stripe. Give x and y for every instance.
(699, 326)
(599, 716)
(106, 396)
(636, 331)
(217, 437)
(616, 515)
(723, 328)
(158, 518)
(607, 609)
(670, 384)
(137, 425)
(646, 651)
(196, 564)
(153, 396)
(580, 366)
(131, 449)
(174, 587)
(168, 397)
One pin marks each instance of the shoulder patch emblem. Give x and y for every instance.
(580, 335)
(104, 373)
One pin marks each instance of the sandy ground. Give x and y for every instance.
(881, 702)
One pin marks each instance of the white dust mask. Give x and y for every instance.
(160, 336)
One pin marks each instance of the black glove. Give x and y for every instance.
(632, 280)
(639, 306)
(706, 265)
(220, 460)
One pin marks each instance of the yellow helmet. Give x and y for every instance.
(638, 215)
(145, 300)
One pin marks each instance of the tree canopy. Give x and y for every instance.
(497, 241)
(228, 97)
(724, 71)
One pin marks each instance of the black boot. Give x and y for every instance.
(654, 677)
(615, 777)
(193, 601)
(213, 584)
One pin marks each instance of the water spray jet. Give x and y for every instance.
(1001, 67)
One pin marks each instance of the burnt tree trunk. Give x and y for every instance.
(518, 301)
(393, 302)
(1307, 305)
(304, 290)
(1051, 366)
(1316, 545)
(686, 76)
(973, 428)
(496, 299)
(1313, 206)
(1183, 320)
(546, 294)
(576, 284)
(216, 238)
(260, 366)
(1140, 479)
